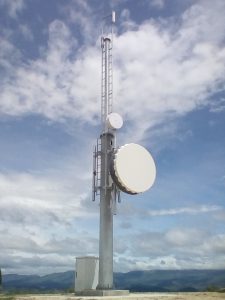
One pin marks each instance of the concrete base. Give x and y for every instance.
(100, 293)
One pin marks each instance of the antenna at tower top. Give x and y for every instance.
(113, 17)
(108, 22)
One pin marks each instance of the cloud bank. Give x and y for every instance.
(163, 69)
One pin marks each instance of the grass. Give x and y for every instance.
(7, 297)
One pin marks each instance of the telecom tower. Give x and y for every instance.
(130, 169)
(103, 184)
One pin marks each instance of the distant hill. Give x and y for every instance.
(136, 281)
(52, 282)
(170, 280)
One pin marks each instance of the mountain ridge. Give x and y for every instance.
(135, 281)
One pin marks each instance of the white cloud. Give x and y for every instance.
(162, 68)
(28, 199)
(35, 264)
(177, 248)
(53, 85)
(21, 250)
(185, 237)
(219, 106)
(126, 22)
(215, 245)
(157, 3)
(184, 210)
(14, 7)
(26, 32)
(39, 217)
(132, 210)
(80, 15)
(9, 56)
(220, 215)
(37, 226)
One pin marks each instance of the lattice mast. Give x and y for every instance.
(106, 97)
(107, 79)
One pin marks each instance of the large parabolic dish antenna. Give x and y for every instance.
(133, 169)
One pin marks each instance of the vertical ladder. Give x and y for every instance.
(110, 81)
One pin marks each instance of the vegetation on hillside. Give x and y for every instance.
(135, 281)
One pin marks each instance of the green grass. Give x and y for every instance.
(7, 297)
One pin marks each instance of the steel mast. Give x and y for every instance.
(102, 181)
(107, 145)
(109, 174)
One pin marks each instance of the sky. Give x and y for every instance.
(169, 86)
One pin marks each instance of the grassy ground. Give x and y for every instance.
(7, 297)
(132, 296)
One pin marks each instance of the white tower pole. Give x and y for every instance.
(107, 144)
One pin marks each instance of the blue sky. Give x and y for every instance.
(169, 78)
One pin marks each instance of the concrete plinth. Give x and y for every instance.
(97, 293)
